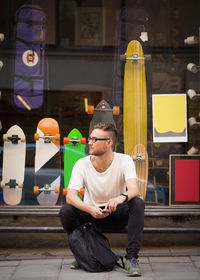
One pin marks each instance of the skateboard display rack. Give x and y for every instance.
(193, 95)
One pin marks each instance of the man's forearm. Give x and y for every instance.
(73, 199)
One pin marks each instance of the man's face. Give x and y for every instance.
(99, 142)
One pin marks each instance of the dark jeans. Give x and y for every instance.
(130, 213)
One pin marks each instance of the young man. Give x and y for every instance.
(112, 198)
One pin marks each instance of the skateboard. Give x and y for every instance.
(135, 99)
(13, 165)
(102, 113)
(140, 157)
(193, 95)
(47, 162)
(74, 145)
(194, 124)
(1, 40)
(29, 76)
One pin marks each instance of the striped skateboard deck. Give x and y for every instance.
(47, 162)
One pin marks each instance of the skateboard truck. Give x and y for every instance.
(14, 138)
(47, 137)
(90, 109)
(74, 140)
(81, 192)
(139, 157)
(12, 184)
(47, 189)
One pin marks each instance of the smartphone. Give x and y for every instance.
(105, 211)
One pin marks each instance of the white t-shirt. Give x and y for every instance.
(100, 187)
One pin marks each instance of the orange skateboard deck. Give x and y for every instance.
(140, 157)
(135, 99)
(47, 162)
(13, 165)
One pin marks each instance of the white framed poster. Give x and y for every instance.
(169, 118)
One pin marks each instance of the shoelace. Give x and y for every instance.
(133, 262)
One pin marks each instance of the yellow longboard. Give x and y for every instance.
(140, 157)
(135, 99)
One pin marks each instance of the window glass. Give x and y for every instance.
(58, 57)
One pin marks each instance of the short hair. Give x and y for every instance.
(109, 127)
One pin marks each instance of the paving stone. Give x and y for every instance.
(9, 263)
(173, 267)
(6, 272)
(176, 276)
(32, 272)
(143, 260)
(169, 259)
(53, 262)
(195, 258)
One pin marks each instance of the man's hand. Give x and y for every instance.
(113, 202)
(96, 213)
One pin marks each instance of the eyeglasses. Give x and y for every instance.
(94, 140)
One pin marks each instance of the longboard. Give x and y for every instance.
(140, 157)
(102, 113)
(74, 145)
(135, 99)
(13, 165)
(47, 162)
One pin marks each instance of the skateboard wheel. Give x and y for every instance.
(20, 185)
(192, 40)
(191, 93)
(83, 140)
(66, 140)
(90, 109)
(2, 184)
(192, 68)
(23, 139)
(2, 37)
(65, 191)
(1, 64)
(36, 190)
(134, 157)
(122, 57)
(5, 137)
(57, 189)
(57, 137)
(116, 110)
(192, 121)
(82, 191)
(36, 136)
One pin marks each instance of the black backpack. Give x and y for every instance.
(91, 249)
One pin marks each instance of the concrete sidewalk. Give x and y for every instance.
(156, 263)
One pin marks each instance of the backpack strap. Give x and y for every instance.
(120, 258)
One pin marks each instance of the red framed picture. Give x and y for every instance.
(184, 180)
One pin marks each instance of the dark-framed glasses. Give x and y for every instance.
(94, 139)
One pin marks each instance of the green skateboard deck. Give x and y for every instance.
(74, 150)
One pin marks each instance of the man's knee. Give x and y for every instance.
(67, 217)
(137, 203)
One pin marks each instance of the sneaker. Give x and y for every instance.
(132, 267)
(74, 265)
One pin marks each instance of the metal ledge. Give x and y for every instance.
(54, 210)
(20, 229)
